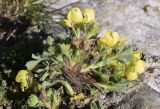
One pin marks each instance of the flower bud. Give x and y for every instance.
(75, 15)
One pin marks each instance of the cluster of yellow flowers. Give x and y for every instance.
(111, 40)
(75, 16)
(22, 78)
(135, 67)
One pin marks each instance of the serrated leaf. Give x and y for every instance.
(45, 54)
(117, 87)
(50, 93)
(58, 59)
(94, 66)
(56, 99)
(125, 54)
(44, 76)
(51, 50)
(43, 85)
(31, 64)
(50, 40)
(33, 100)
(65, 48)
(92, 33)
(35, 57)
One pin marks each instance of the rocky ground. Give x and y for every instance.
(135, 20)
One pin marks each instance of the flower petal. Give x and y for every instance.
(132, 76)
(89, 15)
(75, 15)
(140, 66)
(22, 75)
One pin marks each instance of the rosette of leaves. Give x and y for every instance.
(82, 62)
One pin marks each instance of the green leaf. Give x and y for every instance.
(44, 76)
(117, 87)
(92, 33)
(45, 54)
(65, 49)
(40, 70)
(31, 64)
(35, 57)
(119, 71)
(125, 54)
(51, 50)
(33, 100)
(94, 66)
(78, 31)
(50, 40)
(50, 93)
(58, 59)
(102, 77)
(44, 85)
(56, 99)
(66, 85)
(47, 104)
(95, 105)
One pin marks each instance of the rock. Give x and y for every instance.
(153, 79)
(57, 4)
(144, 98)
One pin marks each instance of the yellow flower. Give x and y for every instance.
(89, 15)
(140, 66)
(110, 39)
(75, 15)
(137, 55)
(22, 78)
(131, 76)
(78, 97)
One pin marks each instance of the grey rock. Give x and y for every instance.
(144, 98)
(57, 4)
